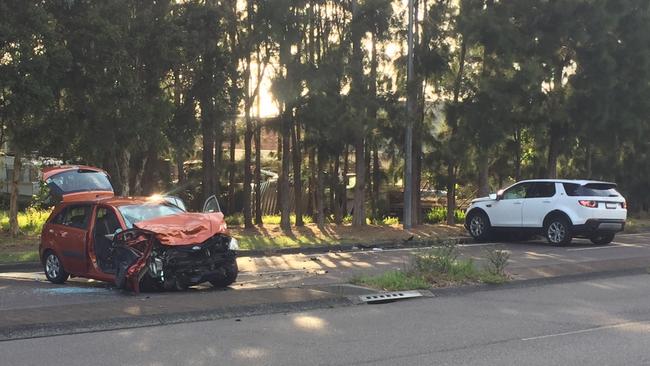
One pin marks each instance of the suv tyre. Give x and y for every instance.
(479, 226)
(558, 230)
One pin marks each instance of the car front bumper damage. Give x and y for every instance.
(142, 259)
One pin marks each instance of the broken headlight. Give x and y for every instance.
(156, 267)
(233, 244)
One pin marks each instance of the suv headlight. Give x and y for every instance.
(233, 244)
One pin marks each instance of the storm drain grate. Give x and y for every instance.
(389, 296)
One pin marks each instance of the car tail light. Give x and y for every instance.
(590, 204)
(624, 205)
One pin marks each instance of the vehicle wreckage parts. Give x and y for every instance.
(141, 259)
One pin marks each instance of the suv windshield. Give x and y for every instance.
(591, 190)
(135, 213)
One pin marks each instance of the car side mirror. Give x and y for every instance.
(499, 195)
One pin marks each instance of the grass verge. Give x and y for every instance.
(440, 267)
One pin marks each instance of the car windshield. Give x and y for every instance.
(135, 213)
(79, 181)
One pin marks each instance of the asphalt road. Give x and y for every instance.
(533, 259)
(594, 322)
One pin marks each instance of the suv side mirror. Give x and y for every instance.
(499, 195)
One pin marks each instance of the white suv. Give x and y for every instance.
(559, 209)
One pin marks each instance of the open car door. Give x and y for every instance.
(132, 250)
(74, 182)
(211, 205)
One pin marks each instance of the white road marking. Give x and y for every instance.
(638, 234)
(588, 330)
(610, 246)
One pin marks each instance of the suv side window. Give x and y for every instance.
(541, 190)
(77, 216)
(516, 192)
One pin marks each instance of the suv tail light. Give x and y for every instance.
(624, 204)
(590, 204)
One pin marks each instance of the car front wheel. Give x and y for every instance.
(54, 271)
(479, 226)
(602, 239)
(229, 276)
(558, 231)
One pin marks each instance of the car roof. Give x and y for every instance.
(582, 182)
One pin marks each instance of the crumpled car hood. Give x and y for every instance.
(185, 229)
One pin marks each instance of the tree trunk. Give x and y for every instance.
(124, 169)
(336, 186)
(483, 172)
(311, 207)
(231, 167)
(357, 91)
(320, 188)
(138, 176)
(297, 172)
(179, 166)
(517, 154)
(14, 229)
(451, 194)
(588, 160)
(453, 124)
(376, 177)
(359, 218)
(285, 207)
(553, 152)
(207, 130)
(258, 175)
(346, 170)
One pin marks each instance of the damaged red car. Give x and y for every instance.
(132, 242)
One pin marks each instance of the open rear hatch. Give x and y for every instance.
(74, 183)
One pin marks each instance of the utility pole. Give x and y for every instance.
(410, 111)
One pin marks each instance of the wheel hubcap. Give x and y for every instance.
(52, 266)
(476, 226)
(556, 232)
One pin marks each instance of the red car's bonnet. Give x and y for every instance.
(186, 228)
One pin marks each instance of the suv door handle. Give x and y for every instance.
(516, 203)
(546, 201)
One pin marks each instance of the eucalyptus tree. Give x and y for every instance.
(30, 63)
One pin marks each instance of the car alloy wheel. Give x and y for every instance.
(52, 266)
(556, 232)
(477, 226)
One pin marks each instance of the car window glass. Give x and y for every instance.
(77, 216)
(516, 192)
(106, 222)
(58, 219)
(590, 190)
(541, 190)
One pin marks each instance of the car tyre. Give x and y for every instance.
(602, 238)
(53, 268)
(478, 226)
(230, 270)
(558, 231)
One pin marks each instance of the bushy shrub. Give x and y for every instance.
(497, 261)
(390, 220)
(438, 259)
(439, 214)
(275, 219)
(30, 221)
